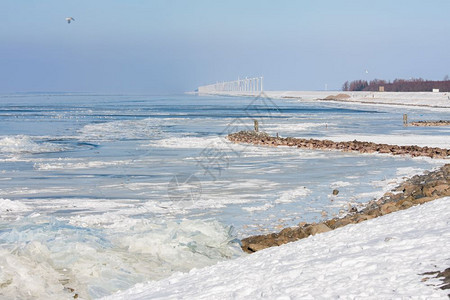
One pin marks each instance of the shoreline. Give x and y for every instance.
(423, 100)
(416, 190)
(261, 265)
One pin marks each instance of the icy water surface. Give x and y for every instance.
(99, 192)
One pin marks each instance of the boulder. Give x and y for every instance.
(317, 228)
(342, 222)
(362, 217)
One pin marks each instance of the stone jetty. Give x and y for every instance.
(430, 123)
(263, 139)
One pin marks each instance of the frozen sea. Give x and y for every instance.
(100, 192)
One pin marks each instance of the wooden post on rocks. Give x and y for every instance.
(256, 125)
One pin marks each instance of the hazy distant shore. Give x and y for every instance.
(421, 99)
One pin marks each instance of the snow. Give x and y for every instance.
(107, 230)
(7, 205)
(189, 142)
(379, 258)
(277, 127)
(422, 99)
(290, 196)
(82, 165)
(25, 144)
(339, 184)
(125, 130)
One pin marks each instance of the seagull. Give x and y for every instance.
(69, 19)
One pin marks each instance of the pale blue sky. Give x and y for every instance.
(137, 46)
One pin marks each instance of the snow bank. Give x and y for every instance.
(379, 258)
(422, 99)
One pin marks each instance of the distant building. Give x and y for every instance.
(435, 90)
(381, 88)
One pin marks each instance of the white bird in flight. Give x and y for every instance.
(69, 19)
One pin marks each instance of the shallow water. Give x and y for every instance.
(99, 192)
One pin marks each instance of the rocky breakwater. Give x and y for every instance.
(430, 123)
(260, 138)
(414, 191)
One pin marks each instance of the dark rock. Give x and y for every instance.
(444, 276)
(342, 222)
(353, 209)
(261, 138)
(361, 217)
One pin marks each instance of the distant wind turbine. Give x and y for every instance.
(69, 19)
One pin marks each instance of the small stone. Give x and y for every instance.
(342, 222)
(424, 200)
(318, 228)
(374, 212)
(361, 218)
(442, 189)
(388, 208)
(331, 223)
(302, 224)
(405, 204)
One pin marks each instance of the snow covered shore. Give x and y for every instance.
(421, 99)
(382, 258)
(379, 258)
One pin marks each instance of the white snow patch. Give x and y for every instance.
(258, 208)
(117, 130)
(25, 144)
(339, 184)
(192, 143)
(79, 166)
(424, 100)
(293, 127)
(293, 195)
(7, 205)
(408, 171)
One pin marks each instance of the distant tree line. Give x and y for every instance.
(398, 85)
